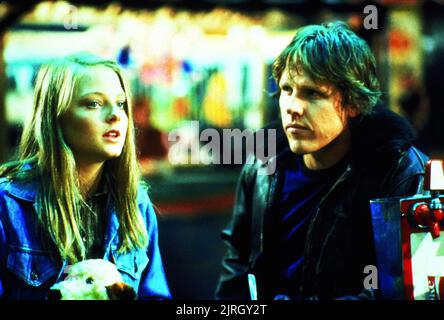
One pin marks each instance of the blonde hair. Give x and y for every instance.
(59, 201)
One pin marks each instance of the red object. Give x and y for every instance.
(434, 229)
(438, 214)
(207, 205)
(399, 41)
(421, 214)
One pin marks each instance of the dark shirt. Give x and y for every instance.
(93, 227)
(302, 190)
(93, 222)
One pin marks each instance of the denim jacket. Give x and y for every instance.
(27, 270)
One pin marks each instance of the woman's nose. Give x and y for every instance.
(114, 114)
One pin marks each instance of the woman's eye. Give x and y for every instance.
(121, 105)
(93, 104)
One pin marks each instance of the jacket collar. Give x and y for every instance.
(383, 129)
(27, 190)
(23, 190)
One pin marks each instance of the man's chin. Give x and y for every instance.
(298, 149)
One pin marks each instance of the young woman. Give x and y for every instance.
(75, 193)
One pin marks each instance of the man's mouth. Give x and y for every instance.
(295, 126)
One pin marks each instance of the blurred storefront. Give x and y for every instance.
(206, 62)
(208, 66)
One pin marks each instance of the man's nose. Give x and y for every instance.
(295, 107)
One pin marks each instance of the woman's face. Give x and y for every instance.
(95, 124)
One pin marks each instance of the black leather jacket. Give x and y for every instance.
(339, 241)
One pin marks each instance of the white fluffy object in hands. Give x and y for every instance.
(93, 279)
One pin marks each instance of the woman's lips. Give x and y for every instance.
(112, 135)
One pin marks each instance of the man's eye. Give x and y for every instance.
(287, 90)
(313, 94)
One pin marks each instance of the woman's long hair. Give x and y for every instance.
(43, 148)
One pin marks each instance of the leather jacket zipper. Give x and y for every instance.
(345, 176)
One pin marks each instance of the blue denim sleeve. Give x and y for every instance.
(2, 253)
(153, 284)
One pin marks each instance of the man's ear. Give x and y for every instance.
(120, 291)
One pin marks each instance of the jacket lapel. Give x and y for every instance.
(111, 233)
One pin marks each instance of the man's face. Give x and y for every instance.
(313, 117)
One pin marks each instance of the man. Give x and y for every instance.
(305, 231)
